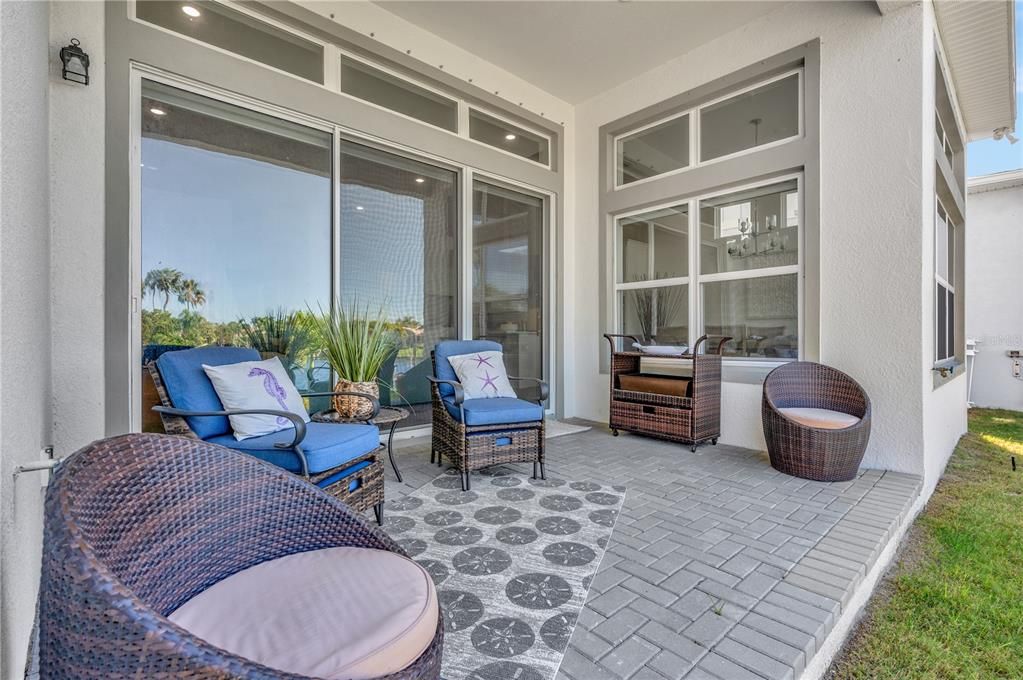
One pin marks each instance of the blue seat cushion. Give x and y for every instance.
(326, 445)
(189, 388)
(496, 411)
(452, 348)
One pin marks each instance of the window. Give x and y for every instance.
(399, 246)
(763, 115)
(653, 151)
(507, 137)
(235, 31)
(508, 264)
(652, 274)
(397, 94)
(747, 286)
(235, 224)
(767, 113)
(945, 292)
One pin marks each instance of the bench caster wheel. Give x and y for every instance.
(693, 448)
(714, 441)
(614, 433)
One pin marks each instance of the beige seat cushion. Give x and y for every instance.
(333, 613)
(820, 418)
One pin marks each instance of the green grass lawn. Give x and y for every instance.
(953, 606)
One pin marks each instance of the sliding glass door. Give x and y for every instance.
(399, 256)
(250, 224)
(508, 265)
(235, 229)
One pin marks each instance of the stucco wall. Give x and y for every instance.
(24, 315)
(871, 210)
(77, 228)
(994, 310)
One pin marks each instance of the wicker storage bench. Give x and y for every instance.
(682, 409)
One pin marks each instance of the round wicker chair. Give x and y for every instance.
(137, 525)
(822, 454)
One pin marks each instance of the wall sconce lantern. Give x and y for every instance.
(75, 63)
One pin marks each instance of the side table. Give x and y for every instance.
(388, 415)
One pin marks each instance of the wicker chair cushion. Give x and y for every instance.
(820, 418)
(450, 348)
(332, 613)
(190, 389)
(326, 445)
(496, 411)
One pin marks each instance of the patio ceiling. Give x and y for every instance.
(575, 52)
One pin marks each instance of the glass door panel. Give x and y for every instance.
(399, 255)
(508, 265)
(236, 231)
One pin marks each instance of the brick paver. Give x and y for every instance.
(720, 566)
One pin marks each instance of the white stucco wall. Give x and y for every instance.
(77, 229)
(994, 310)
(871, 210)
(24, 315)
(944, 401)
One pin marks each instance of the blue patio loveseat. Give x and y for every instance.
(341, 459)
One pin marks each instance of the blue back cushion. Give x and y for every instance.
(452, 348)
(190, 389)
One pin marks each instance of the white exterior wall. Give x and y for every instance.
(944, 401)
(872, 210)
(25, 405)
(994, 313)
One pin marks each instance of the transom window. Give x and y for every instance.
(764, 114)
(725, 264)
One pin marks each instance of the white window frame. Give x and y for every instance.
(695, 280)
(948, 283)
(539, 133)
(694, 114)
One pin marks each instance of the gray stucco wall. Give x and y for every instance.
(25, 404)
(994, 310)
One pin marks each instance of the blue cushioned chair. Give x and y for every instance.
(340, 458)
(478, 433)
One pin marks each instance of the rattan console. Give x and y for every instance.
(691, 419)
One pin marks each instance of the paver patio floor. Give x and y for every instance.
(720, 566)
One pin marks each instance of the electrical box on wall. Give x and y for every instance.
(1017, 362)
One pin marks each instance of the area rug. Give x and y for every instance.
(557, 428)
(512, 559)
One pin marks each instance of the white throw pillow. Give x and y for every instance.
(483, 375)
(256, 385)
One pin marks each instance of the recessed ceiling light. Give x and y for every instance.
(510, 137)
(359, 207)
(419, 180)
(190, 11)
(157, 112)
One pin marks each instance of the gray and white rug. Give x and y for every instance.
(512, 559)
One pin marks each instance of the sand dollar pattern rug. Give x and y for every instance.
(512, 559)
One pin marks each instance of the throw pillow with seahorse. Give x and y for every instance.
(273, 388)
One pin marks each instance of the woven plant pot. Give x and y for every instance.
(354, 407)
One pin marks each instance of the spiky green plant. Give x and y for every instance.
(280, 332)
(356, 343)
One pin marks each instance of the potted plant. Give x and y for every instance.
(356, 345)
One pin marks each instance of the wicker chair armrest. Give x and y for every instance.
(296, 420)
(545, 389)
(459, 392)
(374, 402)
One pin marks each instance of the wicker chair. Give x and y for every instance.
(519, 438)
(138, 525)
(816, 421)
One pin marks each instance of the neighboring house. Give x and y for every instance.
(994, 298)
(790, 175)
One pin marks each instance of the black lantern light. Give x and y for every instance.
(76, 63)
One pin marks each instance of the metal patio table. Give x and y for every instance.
(389, 415)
